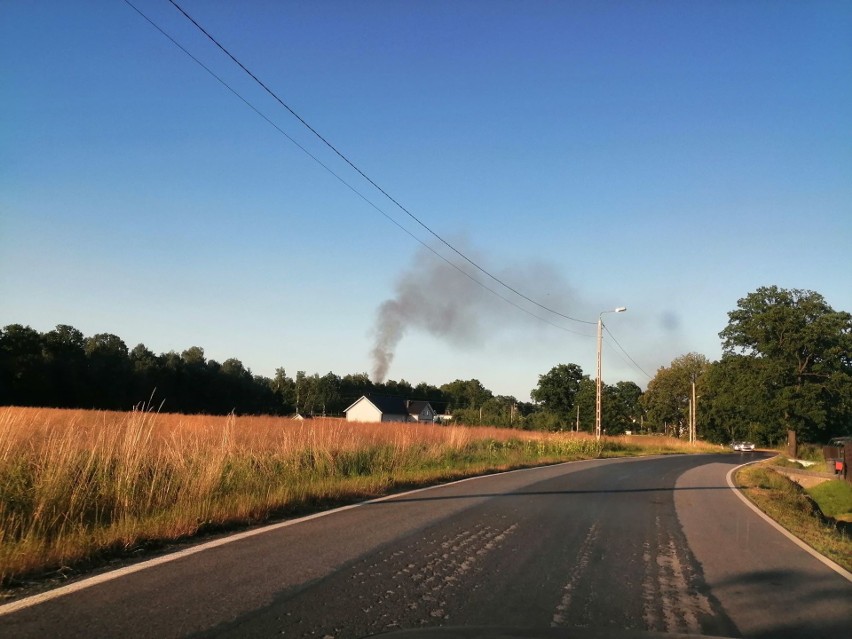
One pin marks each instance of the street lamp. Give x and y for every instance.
(620, 309)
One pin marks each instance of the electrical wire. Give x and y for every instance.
(625, 352)
(342, 180)
(366, 177)
(374, 184)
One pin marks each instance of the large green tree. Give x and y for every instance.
(465, 394)
(666, 401)
(23, 378)
(804, 348)
(557, 389)
(735, 402)
(621, 409)
(110, 371)
(585, 402)
(65, 361)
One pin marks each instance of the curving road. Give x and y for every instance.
(658, 544)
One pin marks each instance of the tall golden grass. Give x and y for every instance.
(76, 486)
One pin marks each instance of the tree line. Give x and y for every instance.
(786, 365)
(62, 368)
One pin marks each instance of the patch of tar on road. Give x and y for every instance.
(427, 585)
(676, 598)
(576, 573)
(414, 586)
(660, 586)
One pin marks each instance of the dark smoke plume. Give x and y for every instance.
(434, 297)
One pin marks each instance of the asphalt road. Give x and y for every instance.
(658, 544)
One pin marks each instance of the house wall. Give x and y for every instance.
(394, 418)
(364, 411)
(426, 415)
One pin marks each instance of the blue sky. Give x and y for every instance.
(671, 157)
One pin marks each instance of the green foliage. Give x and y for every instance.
(810, 452)
(64, 369)
(667, 398)
(547, 420)
(557, 389)
(621, 408)
(783, 462)
(469, 394)
(787, 365)
(585, 402)
(788, 504)
(563, 394)
(736, 403)
(834, 498)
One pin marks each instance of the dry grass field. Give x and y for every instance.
(79, 486)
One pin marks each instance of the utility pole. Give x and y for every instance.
(689, 420)
(598, 381)
(578, 418)
(620, 309)
(693, 413)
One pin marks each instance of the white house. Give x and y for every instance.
(384, 408)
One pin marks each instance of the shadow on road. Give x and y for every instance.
(534, 493)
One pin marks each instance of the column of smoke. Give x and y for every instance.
(434, 297)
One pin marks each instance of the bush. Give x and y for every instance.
(810, 452)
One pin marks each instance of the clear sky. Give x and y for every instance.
(670, 157)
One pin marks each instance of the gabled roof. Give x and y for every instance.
(391, 405)
(416, 406)
(388, 404)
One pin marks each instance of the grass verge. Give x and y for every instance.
(790, 505)
(834, 499)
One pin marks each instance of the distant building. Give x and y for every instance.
(385, 408)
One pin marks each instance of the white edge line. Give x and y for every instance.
(840, 570)
(89, 582)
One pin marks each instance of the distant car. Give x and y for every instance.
(742, 446)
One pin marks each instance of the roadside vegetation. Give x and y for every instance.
(78, 487)
(817, 516)
(834, 499)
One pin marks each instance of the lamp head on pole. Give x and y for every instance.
(620, 309)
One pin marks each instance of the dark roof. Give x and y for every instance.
(388, 404)
(416, 406)
(391, 405)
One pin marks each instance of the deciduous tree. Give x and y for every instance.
(805, 350)
(558, 388)
(667, 399)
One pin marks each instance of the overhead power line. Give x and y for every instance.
(375, 185)
(626, 353)
(341, 179)
(368, 178)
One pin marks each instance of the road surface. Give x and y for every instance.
(658, 544)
